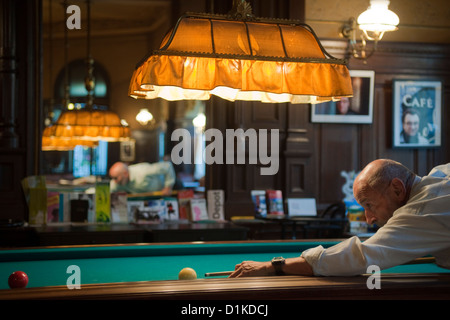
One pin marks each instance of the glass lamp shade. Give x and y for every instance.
(265, 60)
(52, 143)
(378, 18)
(88, 125)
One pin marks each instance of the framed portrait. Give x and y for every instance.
(357, 109)
(127, 151)
(417, 113)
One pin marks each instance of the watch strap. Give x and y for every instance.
(278, 263)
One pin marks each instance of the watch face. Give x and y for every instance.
(278, 263)
(278, 260)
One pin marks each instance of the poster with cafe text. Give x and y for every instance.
(417, 113)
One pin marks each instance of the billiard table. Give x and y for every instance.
(150, 271)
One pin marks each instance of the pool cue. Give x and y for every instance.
(217, 274)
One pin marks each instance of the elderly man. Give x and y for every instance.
(414, 215)
(142, 177)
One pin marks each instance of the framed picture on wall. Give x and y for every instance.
(417, 113)
(127, 151)
(357, 109)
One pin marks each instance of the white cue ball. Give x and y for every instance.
(187, 274)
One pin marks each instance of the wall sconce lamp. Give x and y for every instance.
(373, 22)
(144, 117)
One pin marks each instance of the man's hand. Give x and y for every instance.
(292, 266)
(253, 269)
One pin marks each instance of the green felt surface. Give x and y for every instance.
(108, 264)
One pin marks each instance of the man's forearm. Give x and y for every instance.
(292, 266)
(297, 266)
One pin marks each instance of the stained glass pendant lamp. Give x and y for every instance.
(241, 57)
(89, 125)
(85, 126)
(50, 142)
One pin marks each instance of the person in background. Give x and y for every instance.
(413, 214)
(142, 177)
(343, 107)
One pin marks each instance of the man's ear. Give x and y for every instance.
(399, 188)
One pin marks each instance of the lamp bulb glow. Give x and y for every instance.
(378, 18)
(144, 117)
(199, 121)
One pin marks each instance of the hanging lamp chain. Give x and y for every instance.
(89, 80)
(66, 100)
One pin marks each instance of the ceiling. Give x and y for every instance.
(108, 17)
(126, 30)
(420, 21)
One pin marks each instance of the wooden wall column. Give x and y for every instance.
(20, 104)
(8, 135)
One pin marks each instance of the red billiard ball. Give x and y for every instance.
(18, 279)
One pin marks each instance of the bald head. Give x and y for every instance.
(382, 187)
(380, 172)
(119, 173)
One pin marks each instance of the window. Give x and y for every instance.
(83, 165)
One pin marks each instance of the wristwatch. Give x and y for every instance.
(278, 263)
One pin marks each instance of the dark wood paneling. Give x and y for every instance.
(337, 150)
(312, 155)
(12, 198)
(351, 147)
(20, 110)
